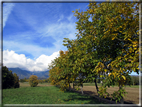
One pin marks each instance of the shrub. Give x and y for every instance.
(16, 81)
(33, 81)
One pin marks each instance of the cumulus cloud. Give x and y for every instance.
(7, 8)
(12, 60)
(34, 50)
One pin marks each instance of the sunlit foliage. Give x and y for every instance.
(33, 80)
(107, 46)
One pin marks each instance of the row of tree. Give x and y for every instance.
(40, 80)
(134, 80)
(9, 80)
(44, 80)
(107, 46)
(24, 80)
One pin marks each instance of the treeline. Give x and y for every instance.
(106, 47)
(9, 80)
(134, 80)
(39, 80)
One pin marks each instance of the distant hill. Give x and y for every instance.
(26, 74)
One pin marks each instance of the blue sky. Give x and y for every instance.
(33, 32)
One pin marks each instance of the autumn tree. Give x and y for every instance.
(59, 73)
(109, 32)
(33, 80)
(79, 60)
(16, 81)
(106, 47)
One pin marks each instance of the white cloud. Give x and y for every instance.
(7, 8)
(70, 17)
(34, 50)
(61, 17)
(59, 31)
(12, 60)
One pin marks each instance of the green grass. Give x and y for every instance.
(45, 95)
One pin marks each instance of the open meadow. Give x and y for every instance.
(47, 94)
(44, 94)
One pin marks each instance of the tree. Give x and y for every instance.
(111, 35)
(106, 47)
(16, 81)
(33, 80)
(60, 74)
(7, 78)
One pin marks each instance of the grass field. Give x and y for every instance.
(47, 94)
(44, 95)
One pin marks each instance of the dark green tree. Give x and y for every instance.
(7, 78)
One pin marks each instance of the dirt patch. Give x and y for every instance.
(131, 97)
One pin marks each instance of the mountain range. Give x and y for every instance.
(26, 74)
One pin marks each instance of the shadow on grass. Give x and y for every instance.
(92, 93)
(92, 99)
(83, 98)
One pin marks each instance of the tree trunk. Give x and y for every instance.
(96, 87)
(122, 99)
(73, 85)
(82, 88)
(69, 87)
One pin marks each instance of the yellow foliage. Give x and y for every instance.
(124, 77)
(33, 81)
(105, 70)
(109, 74)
